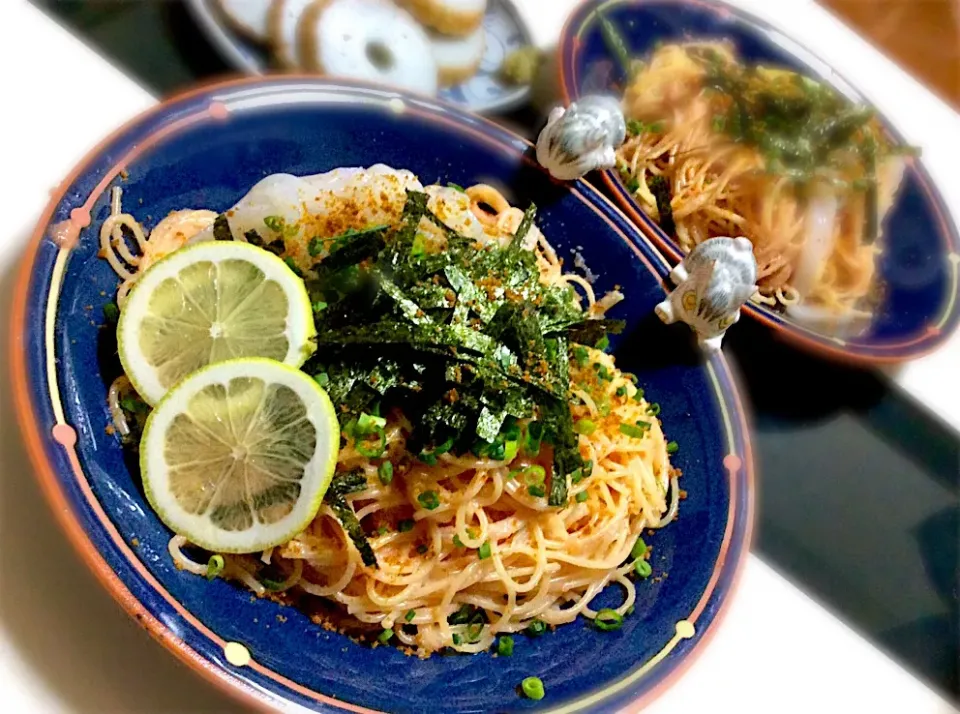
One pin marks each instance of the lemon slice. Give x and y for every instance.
(237, 456)
(208, 303)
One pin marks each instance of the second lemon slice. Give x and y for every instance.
(208, 303)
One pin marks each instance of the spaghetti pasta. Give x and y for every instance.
(466, 548)
(766, 154)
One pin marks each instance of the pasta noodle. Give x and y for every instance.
(488, 557)
(813, 233)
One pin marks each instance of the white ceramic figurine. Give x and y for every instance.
(583, 137)
(713, 282)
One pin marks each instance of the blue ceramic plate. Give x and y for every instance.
(484, 92)
(206, 149)
(918, 269)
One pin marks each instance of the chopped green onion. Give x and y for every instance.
(587, 467)
(456, 186)
(406, 525)
(635, 432)
(375, 450)
(275, 223)
(582, 496)
(633, 184)
(642, 568)
(577, 476)
(630, 610)
(510, 450)
(428, 457)
(319, 306)
(604, 374)
(653, 409)
(419, 247)
(323, 379)
(385, 471)
(456, 639)
(635, 127)
(215, 566)
(533, 688)
(603, 343)
(474, 631)
(457, 542)
(621, 391)
(581, 355)
(382, 530)
(608, 620)
(672, 447)
(315, 247)
(629, 376)
(536, 628)
(293, 266)
(657, 127)
(505, 646)
(410, 615)
(596, 366)
(585, 427)
(271, 584)
(484, 551)
(429, 500)
(536, 491)
(639, 548)
(111, 312)
(534, 475)
(368, 423)
(132, 404)
(638, 396)
(385, 636)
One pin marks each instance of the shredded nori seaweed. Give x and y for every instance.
(465, 341)
(336, 497)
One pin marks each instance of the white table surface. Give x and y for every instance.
(65, 646)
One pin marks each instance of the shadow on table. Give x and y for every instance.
(858, 499)
(88, 654)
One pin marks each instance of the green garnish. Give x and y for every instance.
(429, 500)
(111, 312)
(275, 223)
(410, 615)
(457, 639)
(215, 566)
(536, 491)
(484, 551)
(385, 472)
(406, 525)
(635, 127)
(457, 542)
(372, 450)
(581, 497)
(322, 378)
(385, 636)
(642, 568)
(536, 628)
(653, 409)
(603, 343)
(584, 426)
(533, 688)
(621, 391)
(634, 431)
(505, 646)
(456, 186)
(581, 355)
(672, 447)
(319, 306)
(608, 620)
(639, 549)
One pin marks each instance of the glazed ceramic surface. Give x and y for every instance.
(206, 149)
(918, 267)
(485, 92)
